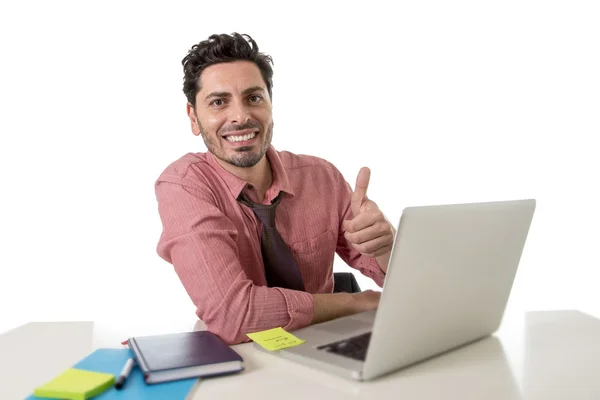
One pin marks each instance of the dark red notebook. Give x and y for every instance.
(164, 358)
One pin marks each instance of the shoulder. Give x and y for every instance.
(292, 161)
(191, 174)
(188, 168)
(181, 166)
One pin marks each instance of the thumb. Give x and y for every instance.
(359, 196)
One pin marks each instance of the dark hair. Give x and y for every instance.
(222, 49)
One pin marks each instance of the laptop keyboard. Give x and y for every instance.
(354, 347)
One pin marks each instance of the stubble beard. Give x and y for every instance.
(245, 157)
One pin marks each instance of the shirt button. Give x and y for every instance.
(250, 186)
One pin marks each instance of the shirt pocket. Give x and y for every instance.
(315, 259)
(322, 242)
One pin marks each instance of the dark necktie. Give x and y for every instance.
(281, 269)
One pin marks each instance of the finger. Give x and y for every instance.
(347, 224)
(369, 206)
(375, 247)
(360, 190)
(369, 233)
(381, 251)
(364, 220)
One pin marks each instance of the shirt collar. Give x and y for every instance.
(236, 185)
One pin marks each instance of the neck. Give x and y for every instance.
(259, 175)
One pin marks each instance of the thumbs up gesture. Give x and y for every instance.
(368, 231)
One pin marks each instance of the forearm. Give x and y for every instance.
(336, 305)
(331, 306)
(247, 308)
(384, 259)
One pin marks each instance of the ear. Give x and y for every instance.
(195, 124)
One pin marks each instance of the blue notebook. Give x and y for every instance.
(112, 361)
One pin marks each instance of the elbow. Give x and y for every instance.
(227, 329)
(246, 308)
(229, 318)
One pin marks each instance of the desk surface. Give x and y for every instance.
(536, 355)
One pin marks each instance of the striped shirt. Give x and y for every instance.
(213, 242)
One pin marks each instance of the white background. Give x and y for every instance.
(445, 101)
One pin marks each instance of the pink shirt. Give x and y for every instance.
(213, 242)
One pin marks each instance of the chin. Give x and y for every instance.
(246, 159)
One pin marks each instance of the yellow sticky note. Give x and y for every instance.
(75, 384)
(275, 339)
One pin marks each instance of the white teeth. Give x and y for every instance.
(241, 138)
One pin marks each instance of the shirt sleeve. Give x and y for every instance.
(367, 266)
(200, 242)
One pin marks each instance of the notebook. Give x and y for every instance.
(169, 357)
(111, 361)
(76, 384)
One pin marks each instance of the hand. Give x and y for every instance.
(328, 306)
(367, 300)
(368, 232)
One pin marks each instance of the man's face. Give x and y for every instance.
(233, 113)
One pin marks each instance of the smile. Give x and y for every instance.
(240, 138)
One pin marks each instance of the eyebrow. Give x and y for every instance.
(227, 94)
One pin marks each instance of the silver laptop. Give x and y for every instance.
(449, 278)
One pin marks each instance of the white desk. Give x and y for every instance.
(538, 355)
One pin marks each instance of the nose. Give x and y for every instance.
(240, 113)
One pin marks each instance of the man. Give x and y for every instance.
(239, 274)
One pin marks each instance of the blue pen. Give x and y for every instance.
(125, 373)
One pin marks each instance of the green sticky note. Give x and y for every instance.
(75, 384)
(275, 339)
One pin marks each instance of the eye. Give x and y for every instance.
(217, 102)
(255, 98)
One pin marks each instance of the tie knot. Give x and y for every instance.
(264, 212)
